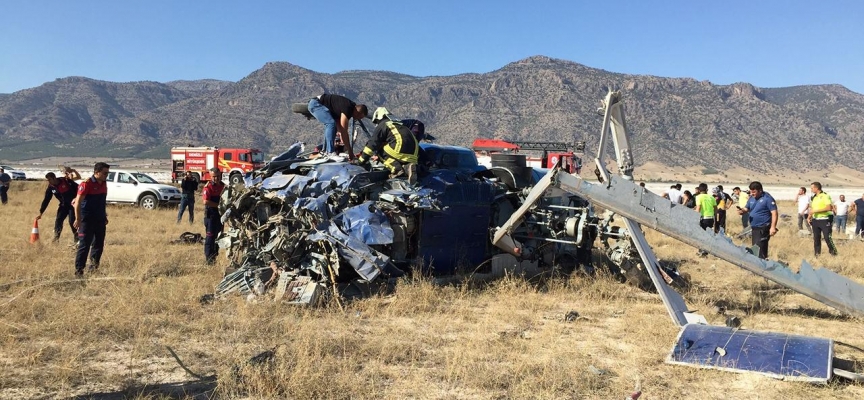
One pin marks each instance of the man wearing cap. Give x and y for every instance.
(334, 112)
(394, 143)
(763, 217)
(821, 218)
(91, 218)
(211, 194)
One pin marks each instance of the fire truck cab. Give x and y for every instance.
(569, 155)
(232, 162)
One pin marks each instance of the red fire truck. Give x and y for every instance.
(232, 162)
(551, 152)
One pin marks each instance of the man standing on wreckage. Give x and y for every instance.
(394, 144)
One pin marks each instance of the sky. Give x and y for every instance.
(768, 43)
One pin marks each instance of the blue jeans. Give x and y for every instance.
(840, 223)
(322, 114)
(187, 201)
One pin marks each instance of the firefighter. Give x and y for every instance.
(394, 144)
(64, 189)
(91, 218)
(212, 220)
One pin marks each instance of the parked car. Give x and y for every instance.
(16, 175)
(133, 187)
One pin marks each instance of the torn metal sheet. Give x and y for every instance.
(367, 224)
(631, 201)
(778, 355)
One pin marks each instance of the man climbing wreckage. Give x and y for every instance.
(395, 144)
(304, 227)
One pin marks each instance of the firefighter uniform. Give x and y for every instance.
(393, 142)
(212, 220)
(91, 229)
(65, 191)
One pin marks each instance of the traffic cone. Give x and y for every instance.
(34, 236)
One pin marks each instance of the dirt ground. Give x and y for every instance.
(108, 336)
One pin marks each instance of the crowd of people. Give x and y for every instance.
(816, 212)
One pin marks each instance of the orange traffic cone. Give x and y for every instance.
(34, 236)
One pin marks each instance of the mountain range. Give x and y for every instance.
(673, 121)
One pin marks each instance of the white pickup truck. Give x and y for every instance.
(133, 187)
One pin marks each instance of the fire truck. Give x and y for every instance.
(551, 152)
(232, 162)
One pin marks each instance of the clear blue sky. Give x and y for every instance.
(768, 43)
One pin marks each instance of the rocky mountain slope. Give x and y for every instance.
(674, 121)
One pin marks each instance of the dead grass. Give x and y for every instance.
(107, 337)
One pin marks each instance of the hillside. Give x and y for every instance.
(674, 121)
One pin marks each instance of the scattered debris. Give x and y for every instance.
(189, 238)
(597, 371)
(733, 321)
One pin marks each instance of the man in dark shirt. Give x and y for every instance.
(858, 211)
(334, 112)
(188, 186)
(64, 189)
(5, 179)
(763, 217)
(395, 144)
(91, 218)
(212, 220)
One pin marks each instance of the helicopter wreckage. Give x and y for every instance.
(301, 229)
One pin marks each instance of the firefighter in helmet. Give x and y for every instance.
(394, 144)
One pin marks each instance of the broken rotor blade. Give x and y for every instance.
(640, 205)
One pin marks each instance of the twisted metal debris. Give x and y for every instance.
(303, 228)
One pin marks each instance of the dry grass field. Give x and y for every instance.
(108, 336)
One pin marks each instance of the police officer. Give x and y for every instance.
(65, 190)
(762, 210)
(394, 143)
(212, 220)
(91, 218)
(821, 218)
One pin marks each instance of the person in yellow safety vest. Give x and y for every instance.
(394, 144)
(821, 217)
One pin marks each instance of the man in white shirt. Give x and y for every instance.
(803, 201)
(674, 194)
(841, 212)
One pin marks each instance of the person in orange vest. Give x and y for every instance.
(212, 220)
(64, 189)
